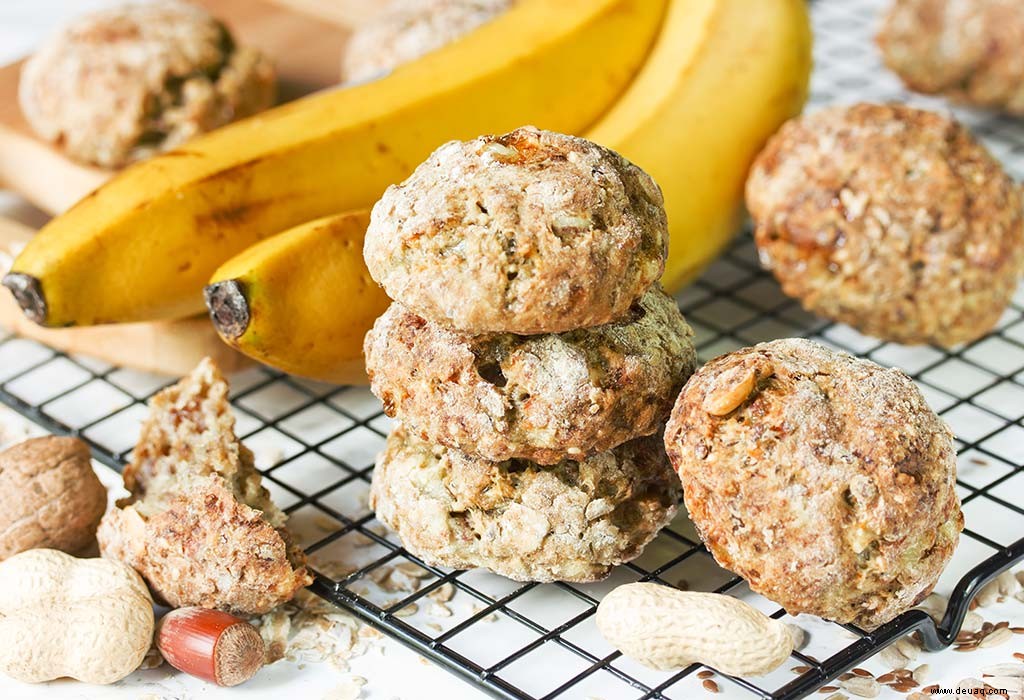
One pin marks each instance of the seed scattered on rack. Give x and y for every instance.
(1016, 670)
(845, 676)
(412, 569)
(1018, 655)
(828, 689)
(862, 686)
(439, 610)
(998, 636)
(893, 658)
(800, 669)
(1017, 630)
(408, 611)
(862, 672)
(326, 523)
(988, 595)
(905, 685)
(443, 593)
(705, 674)
(930, 689)
(710, 686)
(152, 659)
(972, 622)
(886, 678)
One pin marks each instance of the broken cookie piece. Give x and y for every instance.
(199, 526)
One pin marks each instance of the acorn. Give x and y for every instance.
(210, 644)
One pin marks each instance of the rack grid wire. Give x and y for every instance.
(316, 444)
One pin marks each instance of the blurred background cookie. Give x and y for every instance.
(572, 521)
(544, 398)
(969, 51)
(530, 232)
(408, 29)
(824, 480)
(891, 219)
(124, 83)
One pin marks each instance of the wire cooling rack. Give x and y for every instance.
(316, 445)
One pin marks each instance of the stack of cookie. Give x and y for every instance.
(530, 356)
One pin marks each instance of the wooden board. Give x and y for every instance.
(305, 46)
(166, 347)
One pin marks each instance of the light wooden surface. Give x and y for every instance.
(305, 47)
(166, 347)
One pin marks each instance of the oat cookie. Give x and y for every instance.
(542, 398)
(891, 219)
(968, 51)
(408, 29)
(125, 83)
(531, 232)
(824, 480)
(199, 525)
(572, 521)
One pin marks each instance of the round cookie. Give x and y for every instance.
(969, 51)
(824, 480)
(572, 521)
(124, 83)
(531, 232)
(891, 219)
(408, 29)
(542, 398)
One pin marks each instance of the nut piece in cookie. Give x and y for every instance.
(408, 29)
(542, 397)
(572, 521)
(968, 51)
(125, 83)
(531, 232)
(52, 499)
(891, 219)
(827, 482)
(199, 526)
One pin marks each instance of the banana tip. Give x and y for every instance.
(28, 292)
(229, 309)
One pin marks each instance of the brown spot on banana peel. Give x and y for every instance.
(229, 308)
(28, 292)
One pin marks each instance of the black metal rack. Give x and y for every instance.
(317, 445)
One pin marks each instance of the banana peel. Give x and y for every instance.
(143, 245)
(302, 300)
(722, 77)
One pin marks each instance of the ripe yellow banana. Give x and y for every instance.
(721, 78)
(302, 300)
(142, 246)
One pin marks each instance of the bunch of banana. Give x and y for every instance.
(687, 89)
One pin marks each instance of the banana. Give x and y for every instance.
(722, 77)
(142, 246)
(302, 300)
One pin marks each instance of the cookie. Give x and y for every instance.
(125, 83)
(891, 219)
(408, 29)
(968, 51)
(199, 526)
(571, 521)
(543, 397)
(531, 232)
(824, 480)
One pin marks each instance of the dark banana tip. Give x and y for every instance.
(229, 309)
(28, 292)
